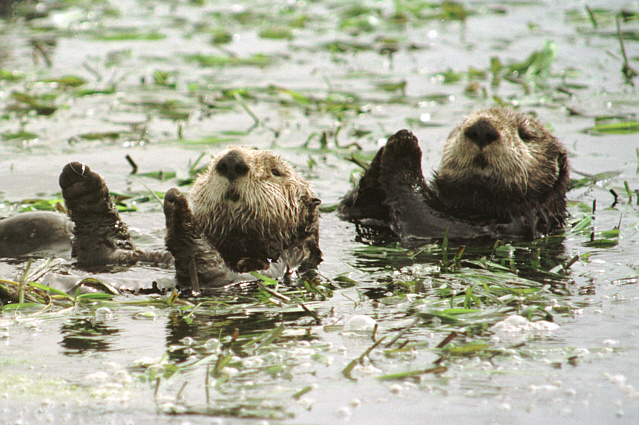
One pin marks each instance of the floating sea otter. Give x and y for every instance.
(502, 174)
(249, 211)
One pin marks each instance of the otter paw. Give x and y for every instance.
(248, 264)
(76, 172)
(371, 176)
(83, 190)
(401, 162)
(177, 213)
(182, 235)
(366, 200)
(99, 236)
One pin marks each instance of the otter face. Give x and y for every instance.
(249, 191)
(510, 150)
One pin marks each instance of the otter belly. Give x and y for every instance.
(35, 232)
(417, 223)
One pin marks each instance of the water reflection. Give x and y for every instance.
(529, 258)
(82, 336)
(208, 325)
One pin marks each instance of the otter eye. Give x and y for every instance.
(276, 172)
(524, 134)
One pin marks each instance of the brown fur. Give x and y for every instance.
(270, 200)
(525, 169)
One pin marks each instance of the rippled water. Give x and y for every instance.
(107, 364)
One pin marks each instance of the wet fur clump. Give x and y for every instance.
(249, 211)
(502, 173)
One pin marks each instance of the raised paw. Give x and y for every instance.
(197, 263)
(84, 191)
(401, 162)
(367, 199)
(99, 236)
(182, 233)
(177, 213)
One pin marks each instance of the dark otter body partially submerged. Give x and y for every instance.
(502, 174)
(35, 232)
(251, 212)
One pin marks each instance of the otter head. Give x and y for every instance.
(508, 151)
(250, 192)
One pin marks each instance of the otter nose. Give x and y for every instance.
(232, 166)
(482, 133)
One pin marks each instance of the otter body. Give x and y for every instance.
(33, 232)
(503, 174)
(248, 212)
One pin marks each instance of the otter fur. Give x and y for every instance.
(250, 211)
(253, 207)
(502, 174)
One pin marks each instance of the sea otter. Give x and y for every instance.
(248, 212)
(502, 174)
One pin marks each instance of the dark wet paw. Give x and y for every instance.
(401, 154)
(401, 162)
(77, 180)
(176, 210)
(194, 258)
(99, 236)
(367, 199)
(371, 176)
(248, 264)
(183, 238)
(84, 191)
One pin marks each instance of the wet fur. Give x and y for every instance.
(513, 186)
(268, 210)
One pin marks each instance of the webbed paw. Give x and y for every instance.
(177, 213)
(84, 191)
(191, 251)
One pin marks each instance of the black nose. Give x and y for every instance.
(482, 133)
(232, 166)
